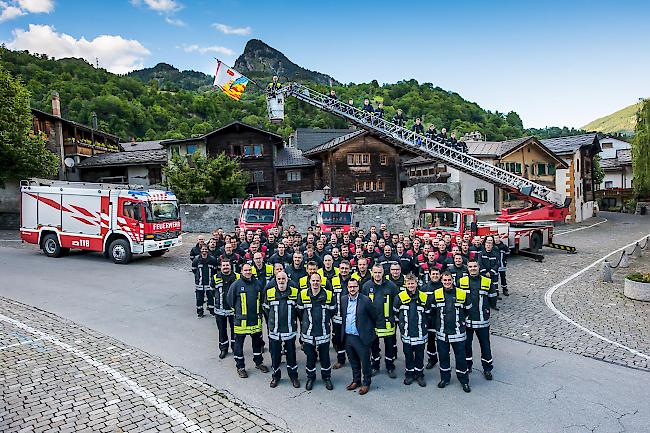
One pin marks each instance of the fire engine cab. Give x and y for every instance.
(116, 220)
(458, 221)
(260, 213)
(335, 213)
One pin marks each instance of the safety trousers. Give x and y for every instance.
(389, 347)
(275, 347)
(238, 350)
(483, 337)
(323, 350)
(504, 282)
(432, 353)
(337, 342)
(445, 362)
(414, 359)
(201, 294)
(226, 329)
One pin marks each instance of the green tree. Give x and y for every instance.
(641, 151)
(599, 173)
(197, 178)
(22, 153)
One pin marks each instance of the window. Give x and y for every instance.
(258, 176)
(606, 145)
(380, 185)
(293, 175)
(236, 151)
(551, 169)
(132, 211)
(609, 184)
(356, 159)
(480, 196)
(176, 150)
(383, 159)
(541, 169)
(253, 150)
(512, 167)
(191, 148)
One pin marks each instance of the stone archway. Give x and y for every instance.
(438, 199)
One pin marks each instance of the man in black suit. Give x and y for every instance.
(358, 323)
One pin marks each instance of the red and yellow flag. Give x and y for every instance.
(231, 82)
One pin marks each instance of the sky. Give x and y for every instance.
(556, 63)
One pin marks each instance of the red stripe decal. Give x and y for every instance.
(83, 211)
(83, 220)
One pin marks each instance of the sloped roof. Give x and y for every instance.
(333, 143)
(78, 125)
(233, 125)
(309, 138)
(136, 157)
(141, 145)
(289, 157)
(570, 144)
(623, 158)
(418, 160)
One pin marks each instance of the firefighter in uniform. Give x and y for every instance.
(482, 295)
(504, 252)
(204, 266)
(413, 307)
(222, 312)
(280, 303)
(332, 275)
(451, 307)
(317, 306)
(396, 277)
(362, 275)
(274, 85)
(457, 269)
(428, 288)
(489, 262)
(312, 268)
(244, 298)
(382, 294)
(261, 271)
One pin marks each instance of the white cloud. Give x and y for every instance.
(115, 53)
(37, 6)
(17, 8)
(167, 6)
(228, 30)
(175, 22)
(9, 12)
(194, 48)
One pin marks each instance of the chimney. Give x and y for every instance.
(56, 104)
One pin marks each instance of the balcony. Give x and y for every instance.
(622, 193)
(86, 147)
(431, 178)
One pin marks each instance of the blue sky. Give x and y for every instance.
(555, 63)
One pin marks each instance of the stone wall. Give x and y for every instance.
(10, 206)
(206, 217)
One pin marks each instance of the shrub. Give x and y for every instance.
(639, 277)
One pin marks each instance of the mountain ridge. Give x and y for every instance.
(622, 121)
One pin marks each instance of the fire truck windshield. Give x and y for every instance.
(251, 215)
(336, 218)
(161, 211)
(447, 221)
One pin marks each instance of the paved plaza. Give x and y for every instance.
(86, 348)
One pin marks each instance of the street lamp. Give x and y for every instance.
(326, 192)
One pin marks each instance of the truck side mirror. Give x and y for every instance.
(357, 224)
(311, 223)
(474, 227)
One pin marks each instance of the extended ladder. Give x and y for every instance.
(417, 143)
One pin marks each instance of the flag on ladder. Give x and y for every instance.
(231, 82)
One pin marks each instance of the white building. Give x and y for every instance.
(617, 184)
(576, 182)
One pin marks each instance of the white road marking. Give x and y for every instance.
(11, 240)
(548, 298)
(20, 343)
(579, 228)
(147, 395)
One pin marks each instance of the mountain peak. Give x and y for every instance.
(261, 60)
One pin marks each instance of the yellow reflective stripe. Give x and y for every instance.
(439, 294)
(270, 294)
(404, 297)
(461, 295)
(294, 293)
(464, 282)
(328, 295)
(423, 298)
(242, 297)
(387, 306)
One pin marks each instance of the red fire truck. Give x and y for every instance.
(457, 221)
(335, 213)
(116, 220)
(260, 213)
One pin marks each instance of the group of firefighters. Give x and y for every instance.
(354, 290)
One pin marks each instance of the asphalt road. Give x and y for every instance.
(535, 389)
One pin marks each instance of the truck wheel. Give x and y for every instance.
(157, 253)
(120, 251)
(535, 242)
(51, 246)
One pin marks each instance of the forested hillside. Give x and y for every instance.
(162, 102)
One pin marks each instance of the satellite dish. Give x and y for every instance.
(69, 162)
